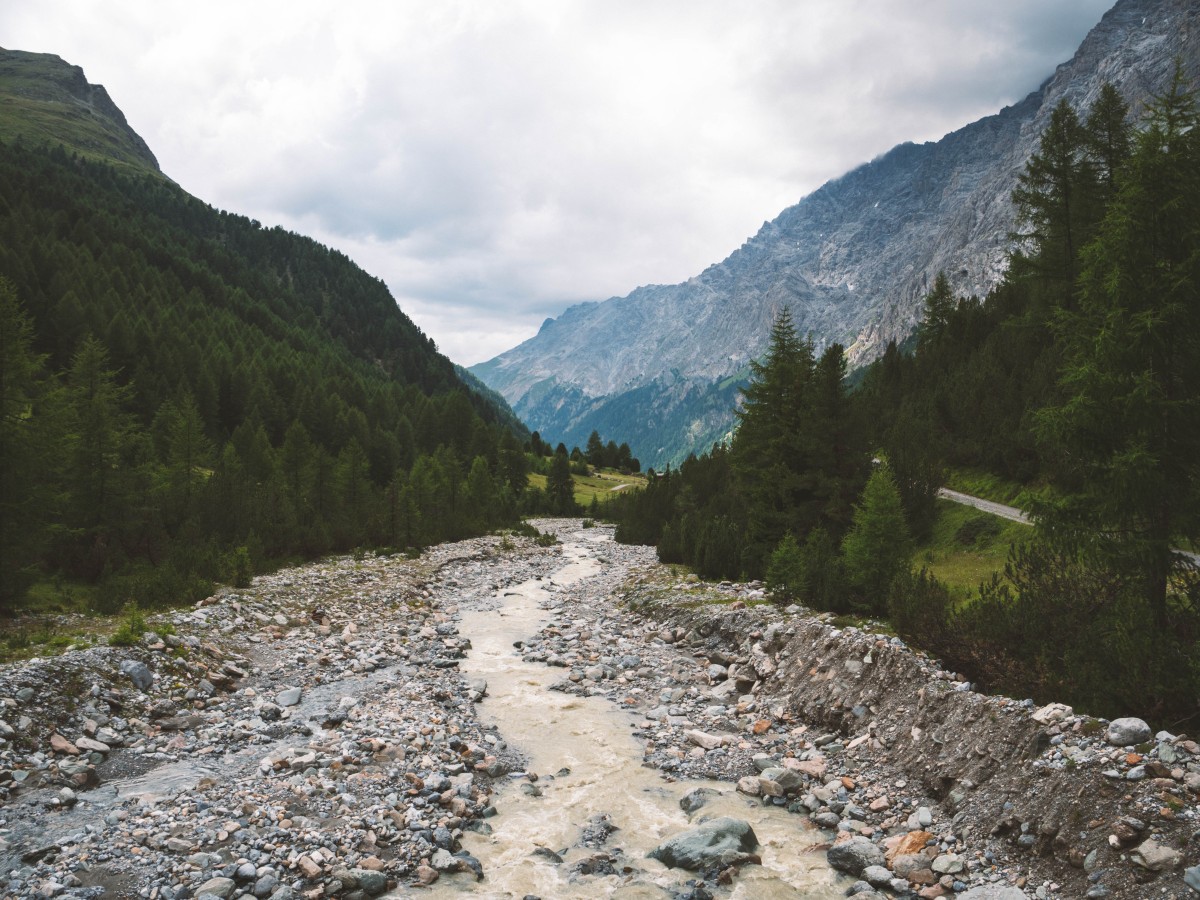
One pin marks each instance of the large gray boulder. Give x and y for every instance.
(1123, 732)
(854, 855)
(721, 842)
(137, 672)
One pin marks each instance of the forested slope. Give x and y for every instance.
(179, 383)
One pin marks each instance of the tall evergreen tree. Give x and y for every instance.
(1126, 440)
(24, 447)
(877, 548)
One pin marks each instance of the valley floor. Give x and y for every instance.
(313, 735)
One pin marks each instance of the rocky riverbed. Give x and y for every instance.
(313, 736)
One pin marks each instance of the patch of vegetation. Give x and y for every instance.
(986, 485)
(968, 547)
(129, 632)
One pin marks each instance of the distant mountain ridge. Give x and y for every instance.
(852, 260)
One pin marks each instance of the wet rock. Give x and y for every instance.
(597, 831)
(721, 842)
(1127, 731)
(696, 798)
(854, 855)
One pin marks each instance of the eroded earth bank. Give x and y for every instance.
(508, 719)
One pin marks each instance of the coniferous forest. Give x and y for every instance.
(186, 396)
(1079, 377)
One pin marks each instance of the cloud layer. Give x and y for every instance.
(496, 162)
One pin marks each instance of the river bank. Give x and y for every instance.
(322, 733)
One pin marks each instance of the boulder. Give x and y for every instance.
(718, 843)
(854, 855)
(1123, 732)
(1156, 857)
(137, 672)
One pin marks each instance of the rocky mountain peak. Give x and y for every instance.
(853, 261)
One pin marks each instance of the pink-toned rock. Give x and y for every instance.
(426, 874)
(932, 892)
(705, 740)
(372, 864)
(60, 744)
(749, 785)
(880, 804)
(814, 768)
(769, 788)
(308, 868)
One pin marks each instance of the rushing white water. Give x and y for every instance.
(591, 738)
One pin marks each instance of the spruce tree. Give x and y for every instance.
(877, 548)
(1126, 438)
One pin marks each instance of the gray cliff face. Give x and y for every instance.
(853, 261)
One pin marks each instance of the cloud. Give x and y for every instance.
(494, 163)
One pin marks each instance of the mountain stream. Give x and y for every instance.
(594, 764)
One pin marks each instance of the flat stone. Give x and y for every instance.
(218, 887)
(705, 740)
(1156, 857)
(993, 892)
(60, 744)
(877, 876)
(288, 697)
(1191, 877)
(94, 746)
(1052, 713)
(948, 864)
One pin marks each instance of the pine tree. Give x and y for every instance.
(1052, 200)
(25, 445)
(877, 548)
(1126, 439)
(560, 488)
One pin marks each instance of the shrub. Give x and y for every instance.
(241, 568)
(130, 632)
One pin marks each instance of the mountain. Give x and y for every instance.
(186, 395)
(44, 100)
(853, 260)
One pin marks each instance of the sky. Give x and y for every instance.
(495, 161)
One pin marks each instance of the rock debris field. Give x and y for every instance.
(312, 736)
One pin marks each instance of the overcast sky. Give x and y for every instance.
(495, 162)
